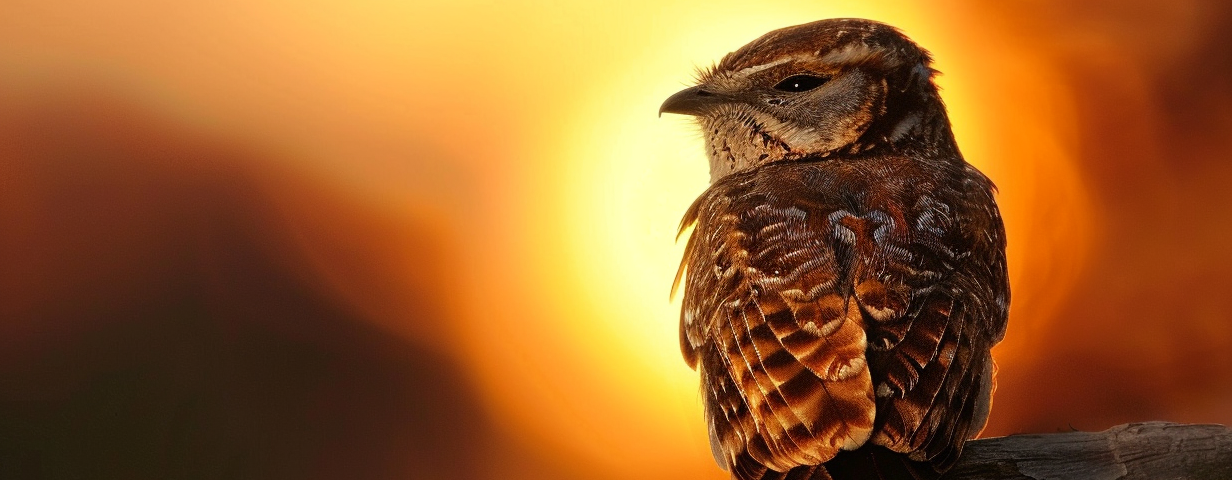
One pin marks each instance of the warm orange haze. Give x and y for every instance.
(391, 240)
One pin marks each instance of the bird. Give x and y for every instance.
(845, 272)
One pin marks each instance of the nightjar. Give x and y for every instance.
(845, 277)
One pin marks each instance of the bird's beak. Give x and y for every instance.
(691, 101)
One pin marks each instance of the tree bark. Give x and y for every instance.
(1135, 451)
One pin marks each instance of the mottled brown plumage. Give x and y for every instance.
(845, 278)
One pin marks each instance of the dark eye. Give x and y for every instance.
(800, 83)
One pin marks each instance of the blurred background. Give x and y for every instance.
(378, 239)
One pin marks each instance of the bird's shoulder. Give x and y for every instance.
(924, 201)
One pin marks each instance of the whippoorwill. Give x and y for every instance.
(845, 277)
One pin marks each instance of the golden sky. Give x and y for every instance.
(502, 165)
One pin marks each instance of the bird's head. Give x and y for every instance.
(828, 88)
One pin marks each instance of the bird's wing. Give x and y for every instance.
(947, 302)
(785, 296)
(779, 347)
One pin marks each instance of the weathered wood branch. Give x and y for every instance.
(1136, 451)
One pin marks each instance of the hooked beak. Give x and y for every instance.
(691, 101)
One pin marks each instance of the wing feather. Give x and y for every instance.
(796, 387)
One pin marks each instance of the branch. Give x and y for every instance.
(1145, 451)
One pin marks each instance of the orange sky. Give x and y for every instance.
(501, 167)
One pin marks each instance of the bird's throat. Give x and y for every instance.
(739, 142)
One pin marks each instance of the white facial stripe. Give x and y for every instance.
(852, 54)
(745, 72)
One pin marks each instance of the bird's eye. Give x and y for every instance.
(800, 83)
